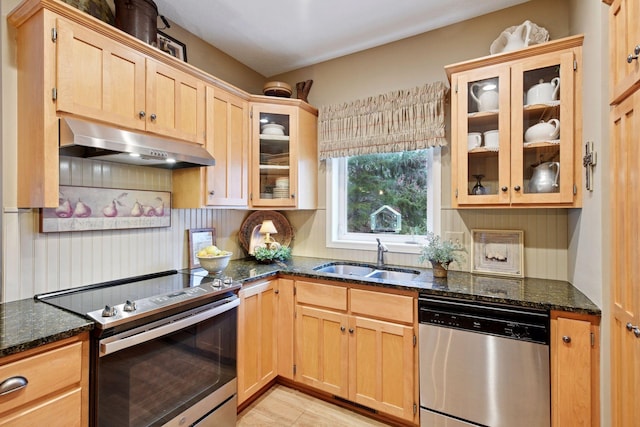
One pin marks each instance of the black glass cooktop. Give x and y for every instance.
(149, 293)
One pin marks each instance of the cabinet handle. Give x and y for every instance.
(350, 330)
(504, 189)
(342, 328)
(153, 117)
(276, 291)
(142, 114)
(212, 193)
(566, 339)
(634, 56)
(293, 195)
(517, 188)
(12, 384)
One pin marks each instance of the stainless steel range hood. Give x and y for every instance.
(79, 138)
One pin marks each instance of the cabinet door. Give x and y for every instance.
(257, 338)
(571, 372)
(98, 78)
(624, 42)
(625, 246)
(480, 116)
(322, 350)
(381, 374)
(542, 154)
(228, 142)
(274, 155)
(175, 103)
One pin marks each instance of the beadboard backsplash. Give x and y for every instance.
(37, 262)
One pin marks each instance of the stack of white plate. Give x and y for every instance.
(281, 191)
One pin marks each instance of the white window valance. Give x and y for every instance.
(401, 120)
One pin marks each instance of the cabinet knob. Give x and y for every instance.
(142, 114)
(517, 188)
(351, 330)
(629, 326)
(212, 193)
(566, 339)
(504, 189)
(276, 291)
(293, 195)
(153, 117)
(342, 328)
(636, 332)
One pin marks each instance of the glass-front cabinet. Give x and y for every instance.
(516, 136)
(283, 156)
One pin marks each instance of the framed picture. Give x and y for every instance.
(173, 47)
(199, 238)
(91, 208)
(498, 252)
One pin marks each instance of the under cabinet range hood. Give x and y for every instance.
(79, 138)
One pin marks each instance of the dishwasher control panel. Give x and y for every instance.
(515, 323)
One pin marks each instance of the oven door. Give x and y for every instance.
(174, 371)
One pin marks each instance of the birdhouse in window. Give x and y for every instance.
(386, 220)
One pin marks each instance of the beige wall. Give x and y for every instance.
(416, 61)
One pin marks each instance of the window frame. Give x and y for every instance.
(336, 196)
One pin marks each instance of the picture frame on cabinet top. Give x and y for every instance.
(172, 46)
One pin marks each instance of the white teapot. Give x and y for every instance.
(543, 131)
(542, 92)
(487, 100)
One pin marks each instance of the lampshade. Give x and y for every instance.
(268, 227)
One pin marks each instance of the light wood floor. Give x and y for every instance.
(282, 406)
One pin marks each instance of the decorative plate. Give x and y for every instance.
(284, 235)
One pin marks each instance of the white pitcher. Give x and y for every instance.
(487, 100)
(518, 39)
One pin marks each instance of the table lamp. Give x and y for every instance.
(268, 229)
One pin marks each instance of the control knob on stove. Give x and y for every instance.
(129, 306)
(109, 311)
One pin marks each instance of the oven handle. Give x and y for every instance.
(118, 344)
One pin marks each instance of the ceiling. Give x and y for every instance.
(277, 36)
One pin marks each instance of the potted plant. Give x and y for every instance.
(267, 255)
(440, 253)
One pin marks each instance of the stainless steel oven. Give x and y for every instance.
(166, 355)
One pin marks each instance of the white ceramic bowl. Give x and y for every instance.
(272, 129)
(215, 264)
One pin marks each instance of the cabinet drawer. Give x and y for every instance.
(328, 296)
(63, 410)
(45, 372)
(382, 305)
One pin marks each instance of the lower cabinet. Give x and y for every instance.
(359, 345)
(56, 390)
(265, 335)
(574, 370)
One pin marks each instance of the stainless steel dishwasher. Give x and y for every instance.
(483, 364)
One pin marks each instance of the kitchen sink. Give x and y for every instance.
(372, 272)
(345, 269)
(393, 275)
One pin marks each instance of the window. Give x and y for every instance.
(392, 196)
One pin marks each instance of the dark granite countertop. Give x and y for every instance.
(528, 292)
(27, 324)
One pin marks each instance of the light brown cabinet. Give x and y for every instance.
(574, 370)
(359, 345)
(265, 335)
(284, 159)
(498, 158)
(57, 385)
(227, 183)
(624, 127)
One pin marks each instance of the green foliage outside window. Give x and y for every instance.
(398, 180)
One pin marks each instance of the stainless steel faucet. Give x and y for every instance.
(382, 248)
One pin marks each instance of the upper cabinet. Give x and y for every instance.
(624, 48)
(284, 159)
(516, 131)
(100, 79)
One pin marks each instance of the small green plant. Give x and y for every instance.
(441, 251)
(280, 253)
